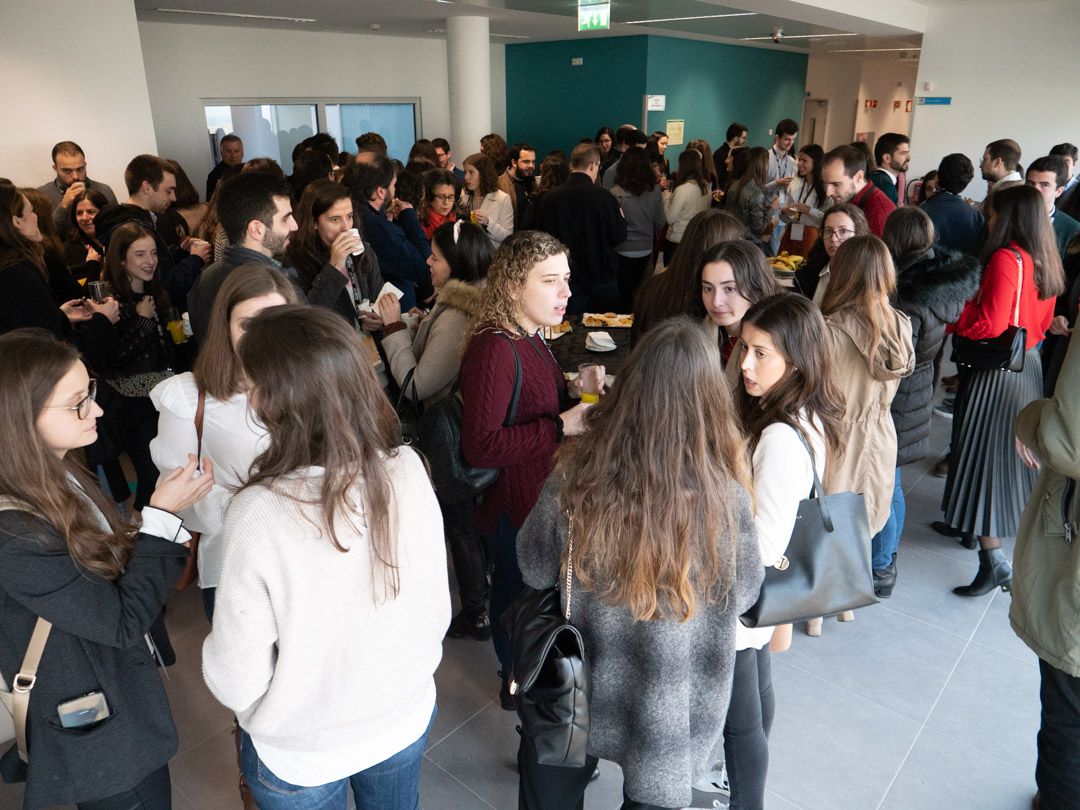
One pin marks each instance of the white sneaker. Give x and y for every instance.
(714, 781)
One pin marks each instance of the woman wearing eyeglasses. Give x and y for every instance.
(67, 556)
(440, 190)
(840, 223)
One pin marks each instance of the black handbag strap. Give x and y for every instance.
(819, 491)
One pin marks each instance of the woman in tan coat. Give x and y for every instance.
(871, 350)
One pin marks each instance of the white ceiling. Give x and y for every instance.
(539, 20)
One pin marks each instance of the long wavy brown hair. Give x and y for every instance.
(120, 242)
(313, 388)
(1019, 216)
(863, 279)
(32, 362)
(798, 330)
(14, 247)
(43, 207)
(653, 486)
(516, 256)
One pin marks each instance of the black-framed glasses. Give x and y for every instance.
(839, 233)
(445, 197)
(82, 407)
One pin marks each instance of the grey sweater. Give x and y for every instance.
(660, 689)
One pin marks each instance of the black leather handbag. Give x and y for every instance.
(1002, 353)
(826, 568)
(438, 437)
(551, 681)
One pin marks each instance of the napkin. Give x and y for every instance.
(391, 289)
(599, 340)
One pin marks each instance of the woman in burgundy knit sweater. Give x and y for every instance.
(527, 288)
(988, 483)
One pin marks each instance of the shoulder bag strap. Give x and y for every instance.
(200, 412)
(569, 563)
(17, 700)
(511, 411)
(1019, 286)
(819, 490)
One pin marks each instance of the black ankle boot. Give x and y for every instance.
(885, 581)
(994, 570)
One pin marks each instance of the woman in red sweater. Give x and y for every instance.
(527, 288)
(988, 484)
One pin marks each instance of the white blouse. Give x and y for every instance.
(232, 438)
(500, 211)
(782, 478)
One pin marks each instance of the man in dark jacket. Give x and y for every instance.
(956, 223)
(256, 213)
(232, 161)
(151, 189)
(588, 220)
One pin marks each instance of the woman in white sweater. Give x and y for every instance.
(333, 598)
(483, 202)
(690, 197)
(791, 411)
(230, 433)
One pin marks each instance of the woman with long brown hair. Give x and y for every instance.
(871, 349)
(230, 433)
(791, 411)
(483, 202)
(677, 290)
(68, 558)
(988, 484)
(746, 198)
(690, 196)
(654, 500)
(328, 253)
(528, 286)
(333, 550)
(83, 251)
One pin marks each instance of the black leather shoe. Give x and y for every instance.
(462, 625)
(506, 700)
(967, 539)
(994, 570)
(884, 581)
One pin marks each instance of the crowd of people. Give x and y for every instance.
(259, 359)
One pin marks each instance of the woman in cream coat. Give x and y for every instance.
(483, 202)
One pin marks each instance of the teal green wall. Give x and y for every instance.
(710, 85)
(553, 105)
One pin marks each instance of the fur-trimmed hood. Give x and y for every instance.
(461, 295)
(941, 282)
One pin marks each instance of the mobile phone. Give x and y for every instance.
(83, 711)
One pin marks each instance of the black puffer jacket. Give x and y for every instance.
(931, 290)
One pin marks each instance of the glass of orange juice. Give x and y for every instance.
(591, 380)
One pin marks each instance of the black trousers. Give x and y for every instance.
(152, 793)
(468, 554)
(592, 297)
(631, 272)
(138, 427)
(547, 787)
(746, 731)
(1057, 771)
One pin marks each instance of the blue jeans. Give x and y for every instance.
(393, 784)
(885, 542)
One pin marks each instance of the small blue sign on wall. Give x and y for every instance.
(942, 101)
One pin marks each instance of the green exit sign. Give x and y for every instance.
(594, 17)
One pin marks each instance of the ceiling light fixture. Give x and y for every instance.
(510, 36)
(799, 36)
(870, 50)
(681, 19)
(235, 15)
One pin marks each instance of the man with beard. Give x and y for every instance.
(843, 172)
(519, 180)
(999, 167)
(892, 153)
(69, 163)
(151, 187)
(400, 246)
(256, 212)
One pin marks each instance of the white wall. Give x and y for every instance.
(187, 63)
(847, 82)
(72, 70)
(1007, 68)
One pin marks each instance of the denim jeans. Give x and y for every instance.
(746, 730)
(393, 784)
(885, 542)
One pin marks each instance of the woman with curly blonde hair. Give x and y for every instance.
(516, 405)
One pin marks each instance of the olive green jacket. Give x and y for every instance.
(1045, 611)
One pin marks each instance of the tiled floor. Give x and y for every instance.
(926, 701)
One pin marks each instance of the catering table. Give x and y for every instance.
(570, 351)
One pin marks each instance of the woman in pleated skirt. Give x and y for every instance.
(988, 483)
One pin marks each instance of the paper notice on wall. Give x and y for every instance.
(674, 131)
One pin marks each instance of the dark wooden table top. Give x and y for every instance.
(570, 351)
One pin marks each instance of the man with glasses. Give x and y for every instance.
(588, 220)
(446, 159)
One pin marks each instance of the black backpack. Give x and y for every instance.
(438, 437)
